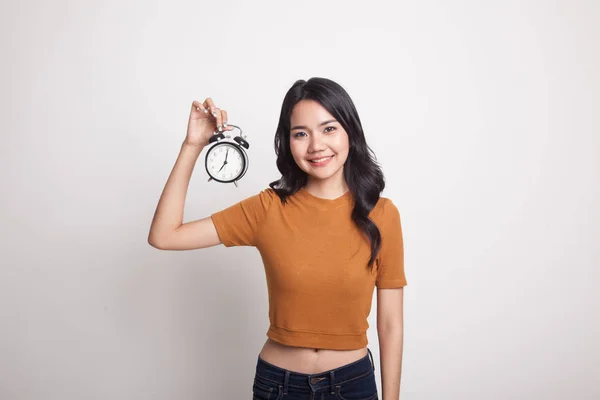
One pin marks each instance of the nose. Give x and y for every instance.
(316, 144)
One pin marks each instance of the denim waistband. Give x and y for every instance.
(287, 378)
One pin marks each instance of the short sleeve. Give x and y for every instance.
(390, 273)
(239, 224)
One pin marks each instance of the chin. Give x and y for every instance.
(324, 174)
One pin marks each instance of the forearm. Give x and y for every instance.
(169, 211)
(390, 355)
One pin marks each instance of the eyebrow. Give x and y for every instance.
(305, 127)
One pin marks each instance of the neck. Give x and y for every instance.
(325, 189)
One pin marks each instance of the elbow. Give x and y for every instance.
(387, 336)
(390, 328)
(156, 242)
(152, 242)
(163, 238)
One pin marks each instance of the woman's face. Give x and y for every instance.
(315, 134)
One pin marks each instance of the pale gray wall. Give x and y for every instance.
(484, 115)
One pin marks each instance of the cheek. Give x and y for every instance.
(342, 144)
(296, 150)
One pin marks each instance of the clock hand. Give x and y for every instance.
(224, 163)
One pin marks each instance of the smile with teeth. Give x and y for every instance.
(320, 159)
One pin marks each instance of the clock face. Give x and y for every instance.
(225, 162)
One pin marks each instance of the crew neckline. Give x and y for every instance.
(324, 203)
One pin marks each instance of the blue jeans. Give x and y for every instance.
(354, 381)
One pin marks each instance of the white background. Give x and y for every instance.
(483, 115)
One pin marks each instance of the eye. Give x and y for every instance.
(330, 127)
(297, 134)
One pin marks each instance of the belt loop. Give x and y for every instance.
(285, 382)
(331, 379)
(371, 357)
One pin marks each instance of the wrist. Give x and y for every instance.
(192, 146)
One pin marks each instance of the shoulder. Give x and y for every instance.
(265, 198)
(261, 200)
(384, 211)
(268, 195)
(274, 197)
(384, 207)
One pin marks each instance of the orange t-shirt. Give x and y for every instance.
(315, 258)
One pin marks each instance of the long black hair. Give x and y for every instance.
(361, 170)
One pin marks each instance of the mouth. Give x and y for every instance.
(320, 162)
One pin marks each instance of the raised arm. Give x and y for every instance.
(167, 231)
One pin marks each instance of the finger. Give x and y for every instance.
(204, 107)
(224, 118)
(219, 119)
(199, 106)
(212, 108)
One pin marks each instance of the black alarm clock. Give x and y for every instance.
(226, 159)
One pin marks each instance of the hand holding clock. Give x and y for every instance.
(208, 126)
(205, 118)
